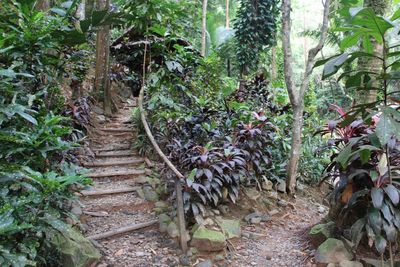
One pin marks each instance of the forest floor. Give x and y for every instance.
(114, 201)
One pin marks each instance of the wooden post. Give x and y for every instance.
(178, 188)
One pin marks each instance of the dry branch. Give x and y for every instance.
(122, 230)
(107, 191)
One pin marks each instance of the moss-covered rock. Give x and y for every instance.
(231, 228)
(320, 232)
(208, 240)
(332, 251)
(75, 249)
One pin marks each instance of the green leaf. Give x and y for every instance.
(387, 125)
(396, 15)
(377, 197)
(357, 231)
(349, 41)
(344, 155)
(365, 155)
(380, 244)
(392, 193)
(27, 117)
(59, 11)
(333, 65)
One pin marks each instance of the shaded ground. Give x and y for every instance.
(282, 241)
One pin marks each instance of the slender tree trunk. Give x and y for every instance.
(43, 5)
(227, 15)
(273, 64)
(204, 29)
(296, 95)
(102, 80)
(372, 64)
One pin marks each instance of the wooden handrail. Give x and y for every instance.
(178, 187)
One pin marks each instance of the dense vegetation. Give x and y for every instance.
(224, 119)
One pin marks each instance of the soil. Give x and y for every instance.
(282, 241)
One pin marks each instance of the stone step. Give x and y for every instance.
(108, 191)
(114, 163)
(117, 153)
(116, 130)
(116, 173)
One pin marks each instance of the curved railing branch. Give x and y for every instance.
(178, 187)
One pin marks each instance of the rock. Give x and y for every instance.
(160, 206)
(252, 215)
(208, 221)
(101, 118)
(77, 211)
(164, 221)
(321, 209)
(150, 194)
(208, 240)
(347, 263)
(331, 265)
(216, 212)
(320, 232)
(282, 203)
(219, 257)
(206, 263)
(97, 110)
(332, 251)
(173, 230)
(185, 261)
(255, 220)
(281, 187)
(231, 228)
(267, 185)
(75, 249)
(252, 193)
(223, 209)
(141, 180)
(266, 218)
(273, 212)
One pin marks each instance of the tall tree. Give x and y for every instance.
(296, 95)
(102, 79)
(372, 64)
(204, 29)
(227, 14)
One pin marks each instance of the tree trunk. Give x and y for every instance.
(295, 150)
(227, 15)
(102, 80)
(204, 29)
(273, 64)
(43, 5)
(372, 64)
(296, 95)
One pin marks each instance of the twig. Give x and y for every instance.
(122, 230)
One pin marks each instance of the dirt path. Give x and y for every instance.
(113, 202)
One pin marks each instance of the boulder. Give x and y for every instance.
(267, 185)
(75, 250)
(231, 228)
(332, 251)
(252, 193)
(173, 230)
(150, 194)
(320, 232)
(164, 221)
(347, 263)
(208, 240)
(281, 187)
